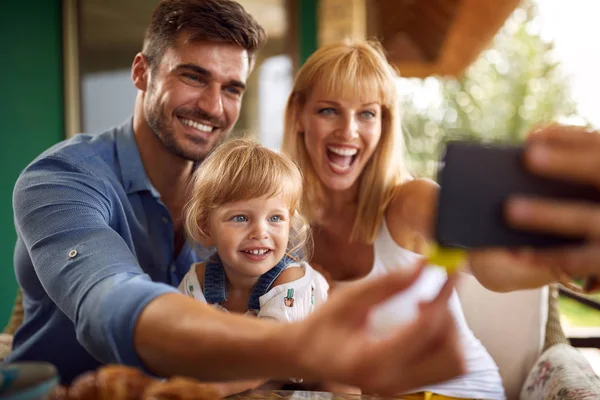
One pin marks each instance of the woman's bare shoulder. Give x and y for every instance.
(412, 209)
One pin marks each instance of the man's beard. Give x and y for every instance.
(156, 118)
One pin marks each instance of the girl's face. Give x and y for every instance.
(340, 136)
(251, 236)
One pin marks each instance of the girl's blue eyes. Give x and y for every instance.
(243, 218)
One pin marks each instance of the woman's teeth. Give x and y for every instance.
(341, 158)
(343, 151)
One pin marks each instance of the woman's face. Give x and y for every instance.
(340, 136)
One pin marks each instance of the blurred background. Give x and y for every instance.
(485, 69)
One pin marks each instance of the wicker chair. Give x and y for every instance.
(16, 319)
(554, 331)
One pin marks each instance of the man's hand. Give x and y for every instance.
(335, 342)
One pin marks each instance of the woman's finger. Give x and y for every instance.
(576, 262)
(564, 135)
(580, 164)
(565, 218)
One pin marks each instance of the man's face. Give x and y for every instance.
(194, 95)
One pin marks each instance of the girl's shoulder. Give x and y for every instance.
(293, 300)
(301, 274)
(192, 283)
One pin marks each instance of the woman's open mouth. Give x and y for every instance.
(341, 158)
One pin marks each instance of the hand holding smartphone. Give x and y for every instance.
(475, 181)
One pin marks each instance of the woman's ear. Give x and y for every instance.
(299, 123)
(299, 126)
(298, 111)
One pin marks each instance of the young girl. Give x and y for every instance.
(243, 204)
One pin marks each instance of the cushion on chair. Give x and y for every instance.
(511, 326)
(564, 373)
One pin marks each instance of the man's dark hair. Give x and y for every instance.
(216, 20)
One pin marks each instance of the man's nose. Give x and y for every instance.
(211, 101)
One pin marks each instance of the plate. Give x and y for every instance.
(27, 380)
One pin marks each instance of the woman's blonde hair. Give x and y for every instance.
(350, 70)
(240, 169)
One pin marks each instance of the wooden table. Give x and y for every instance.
(301, 395)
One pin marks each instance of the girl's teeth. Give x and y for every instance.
(257, 252)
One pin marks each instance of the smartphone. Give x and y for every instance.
(475, 181)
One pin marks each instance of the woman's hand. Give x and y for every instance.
(559, 152)
(336, 342)
(572, 154)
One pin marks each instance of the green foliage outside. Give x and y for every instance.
(515, 85)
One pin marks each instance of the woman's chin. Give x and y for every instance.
(335, 182)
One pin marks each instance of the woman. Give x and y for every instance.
(342, 126)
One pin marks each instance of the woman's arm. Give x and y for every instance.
(411, 221)
(410, 216)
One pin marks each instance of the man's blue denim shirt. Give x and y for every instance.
(94, 247)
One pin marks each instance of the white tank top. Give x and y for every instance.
(482, 380)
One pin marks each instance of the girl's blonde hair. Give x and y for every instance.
(350, 70)
(240, 169)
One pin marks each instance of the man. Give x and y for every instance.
(101, 245)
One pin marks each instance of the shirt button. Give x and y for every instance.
(173, 268)
(72, 253)
(165, 220)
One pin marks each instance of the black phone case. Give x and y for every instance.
(475, 180)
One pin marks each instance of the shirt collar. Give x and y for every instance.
(132, 169)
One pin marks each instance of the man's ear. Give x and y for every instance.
(140, 71)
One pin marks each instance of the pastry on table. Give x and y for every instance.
(119, 382)
(179, 388)
(110, 382)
